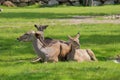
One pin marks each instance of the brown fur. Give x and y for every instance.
(81, 55)
(91, 54)
(65, 46)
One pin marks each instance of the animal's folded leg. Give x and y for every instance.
(36, 60)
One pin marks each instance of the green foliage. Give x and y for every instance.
(103, 39)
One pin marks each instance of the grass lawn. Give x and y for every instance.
(103, 39)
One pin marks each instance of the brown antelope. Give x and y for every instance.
(70, 50)
(41, 29)
(45, 52)
(80, 55)
(66, 47)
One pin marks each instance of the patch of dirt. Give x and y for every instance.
(91, 19)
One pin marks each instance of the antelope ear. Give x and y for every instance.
(69, 37)
(45, 26)
(36, 26)
(78, 35)
(37, 35)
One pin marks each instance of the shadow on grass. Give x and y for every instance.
(100, 39)
(59, 73)
(34, 15)
(94, 39)
(12, 46)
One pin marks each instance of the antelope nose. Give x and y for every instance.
(18, 39)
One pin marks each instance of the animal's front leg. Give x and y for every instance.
(91, 54)
(36, 60)
(46, 59)
(55, 60)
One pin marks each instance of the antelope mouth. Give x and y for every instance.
(18, 39)
(78, 47)
(24, 40)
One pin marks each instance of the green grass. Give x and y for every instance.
(58, 12)
(59, 71)
(103, 39)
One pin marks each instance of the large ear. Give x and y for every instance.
(36, 26)
(78, 35)
(37, 34)
(70, 37)
(45, 26)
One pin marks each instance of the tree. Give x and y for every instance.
(87, 2)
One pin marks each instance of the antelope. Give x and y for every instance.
(46, 53)
(70, 50)
(66, 46)
(41, 29)
(80, 55)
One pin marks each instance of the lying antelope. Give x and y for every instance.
(45, 52)
(66, 46)
(41, 29)
(70, 50)
(80, 55)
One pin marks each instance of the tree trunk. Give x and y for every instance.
(80, 2)
(86, 3)
(90, 2)
(70, 2)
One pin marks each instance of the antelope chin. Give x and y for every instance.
(18, 39)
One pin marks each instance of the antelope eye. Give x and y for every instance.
(74, 41)
(26, 34)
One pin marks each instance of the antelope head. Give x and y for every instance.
(75, 40)
(41, 27)
(28, 36)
